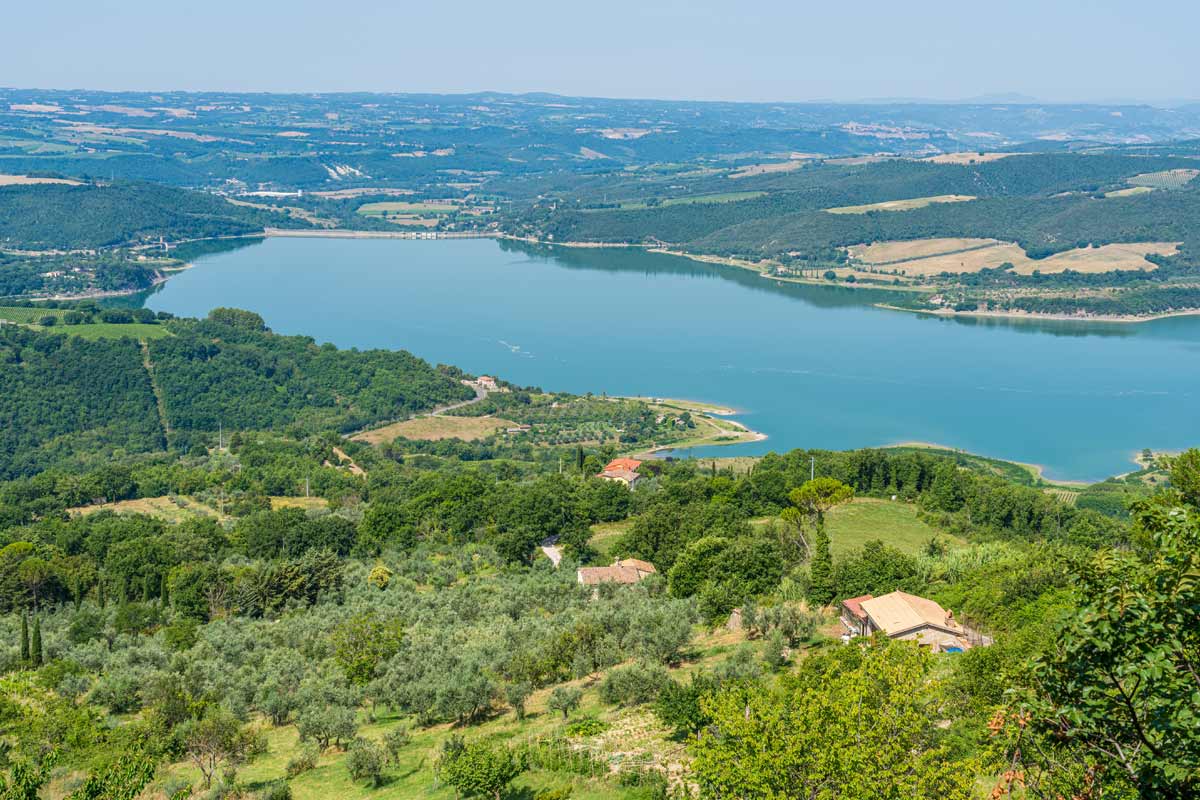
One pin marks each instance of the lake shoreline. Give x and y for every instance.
(1123, 319)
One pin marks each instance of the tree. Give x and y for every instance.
(819, 495)
(362, 643)
(479, 770)
(516, 694)
(678, 704)
(820, 590)
(213, 740)
(326, 724)
(565, 699)
(854, 724)
(1114, 701)
(35, 644)
(24, 639)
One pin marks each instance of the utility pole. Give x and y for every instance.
(812, 468)
(306, 486)
(220, 436)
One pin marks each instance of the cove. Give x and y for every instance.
(810, 366)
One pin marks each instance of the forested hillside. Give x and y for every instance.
(68, 400)
(89, 216)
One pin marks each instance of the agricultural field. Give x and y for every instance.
(1166, 179)
(973, 255)
(770, 168)
(106, 330)
(28, 315)
(436, 427)
(902, 205)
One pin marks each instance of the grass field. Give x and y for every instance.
(1167, 179)
(770, 168)
(306, 503)
(929, 257)
(401, 207)
(605, 535)
(434, 428)
(902, 205)
(105, 330)
(27, 316)
(894, 523)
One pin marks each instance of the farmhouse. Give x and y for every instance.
(906, 616)
(487, 382)
(628, 570)
(622, 470)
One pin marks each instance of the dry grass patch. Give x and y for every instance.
(434, 428)
(25, 180)
(750, 170)
(964, 159)
(1130, 192)
(306, 503)
(169, 508)
(902, 205)
(927, 257)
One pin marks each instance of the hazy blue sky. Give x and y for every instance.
(776, 50)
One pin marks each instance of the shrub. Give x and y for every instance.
(276, 790)
(396, 740)
(633, 685)
(588, 726)
(302, 762)
(366, 760)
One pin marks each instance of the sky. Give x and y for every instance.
(774, 50)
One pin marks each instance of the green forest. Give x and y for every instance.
(208, 590)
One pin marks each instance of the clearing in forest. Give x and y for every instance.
(964, 159)
(402, 207)
(436, 427)
(25, 180)
(902, 205)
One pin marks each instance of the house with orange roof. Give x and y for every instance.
(622, 470)
(627, 571)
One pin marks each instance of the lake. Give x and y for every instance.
(810, 366)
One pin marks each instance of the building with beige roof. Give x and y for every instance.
(908, 617)
(629, 570)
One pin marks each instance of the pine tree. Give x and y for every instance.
(24, 639)
(35, 643)
(821, 569)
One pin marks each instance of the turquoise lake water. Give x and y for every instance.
(810, 366)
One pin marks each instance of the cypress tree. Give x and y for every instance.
(35, 645)
(821, 569)
(24, 639)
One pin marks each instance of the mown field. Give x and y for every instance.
(901, 205)
(931, 257)
(435, 428)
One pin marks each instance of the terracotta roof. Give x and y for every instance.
(898, 612)
(635, 563)
(630, 464)
(590, 576)
(854, 605)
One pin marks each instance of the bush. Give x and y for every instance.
(396, 740)
(366, 760)
(276, 790)
(48, 321)
(588, 726)
(633, 685)
(302, 762)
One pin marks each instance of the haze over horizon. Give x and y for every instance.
(1072, 51)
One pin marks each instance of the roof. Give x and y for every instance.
(589, 576)
(635, 563)
(854, 605)
(627, 475)
(898, 612)
(630, 464)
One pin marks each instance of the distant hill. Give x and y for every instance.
(89, 216)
